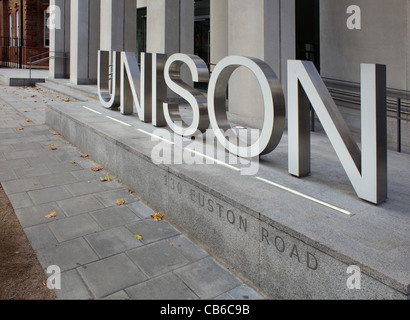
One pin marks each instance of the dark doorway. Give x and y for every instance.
(308, 31)
(202, 30)
(141, 31)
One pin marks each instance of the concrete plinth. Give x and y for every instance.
(293, 238)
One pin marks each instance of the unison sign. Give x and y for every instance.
(146, 91)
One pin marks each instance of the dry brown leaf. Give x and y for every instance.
(157, 216)
(52, 214)
(172, 244)
(20, 129)
(97, 169)
(28, 120)
(84, 156)
(120, 202)
(66, 100)
(53, 148)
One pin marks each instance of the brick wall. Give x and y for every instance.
(32, 25)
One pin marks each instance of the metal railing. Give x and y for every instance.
(50, 55)
(11, 52)
(348, 96)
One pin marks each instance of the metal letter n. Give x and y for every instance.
(366, 168)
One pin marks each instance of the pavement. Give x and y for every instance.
(104, 250)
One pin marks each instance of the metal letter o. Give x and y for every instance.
(273, 98)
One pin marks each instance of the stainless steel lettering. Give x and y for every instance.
(145, 93)
(109, 94)
(366, 169)
(274, 104)
(195, 98)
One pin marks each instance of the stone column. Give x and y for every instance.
(219, 30)
(118, 25)
(170, 26)
(60, 39)
(263, 29)
(85, 41)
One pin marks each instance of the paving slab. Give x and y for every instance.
(161, 288)
(73, 227)
(207, 285)
(82, 204)
(113, 241)
(67, 255)
(114, 217)
(157, 258)
(42, 196)
(107, 276)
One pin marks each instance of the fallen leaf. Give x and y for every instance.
(52, 214)
(26, 111)
(97, 169)
(28, 120)
(130, 191)
(157, 216)
(120, 202)
(57, 96)
(53, 148)
(84, 156)
(20, 129)
(172, 244)
(51, 145)
(137, 236)
(105, 179)
(66, 100)
(73, 162)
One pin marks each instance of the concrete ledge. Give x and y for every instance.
(21, 82)
(288, 246)
(20, 77)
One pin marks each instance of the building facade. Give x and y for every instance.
(23, 32)
(335, 35)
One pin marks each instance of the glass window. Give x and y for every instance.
(141, 31)
(202, 30)
(18, 27)
(46, 29)
(11, 29)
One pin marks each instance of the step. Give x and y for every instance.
(63, 87)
